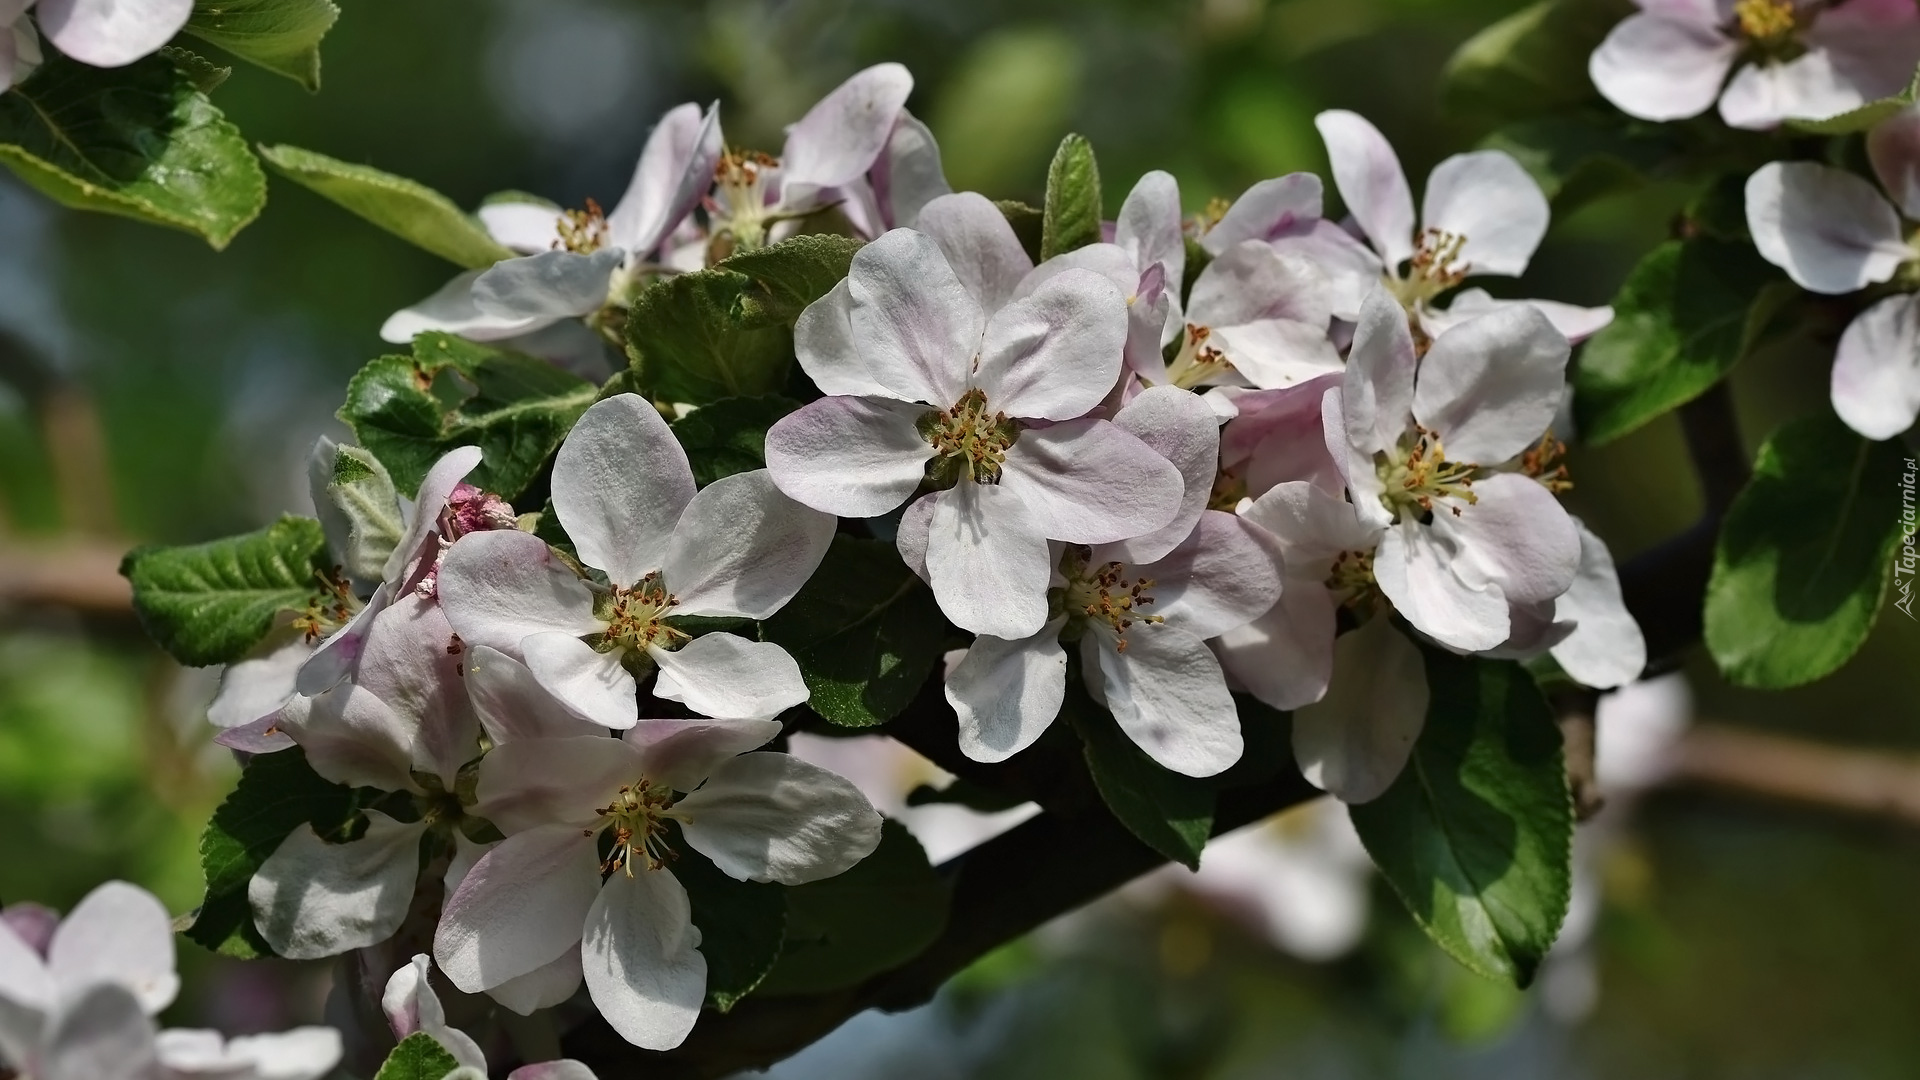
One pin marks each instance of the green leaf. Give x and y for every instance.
(210, 603)
(1071, 218)
(1531, 63)
(409, 210)
(864, 630)
(282, 36)
(418, 1057)
(1684, 317)
(1804, 555)
(687, 346)
(730, 435)
(741, 923)
(1863, 118)
(1028, 224)
(1476, 835)
(873, 918)
(140, 141)
(1170, 813)
(409, 410)
(206, 75)
(360, 510)
(788, 276)
(278, 793)
(1577, 159)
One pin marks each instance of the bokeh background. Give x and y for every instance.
(152, 390)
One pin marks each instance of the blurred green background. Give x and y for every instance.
(153, 390)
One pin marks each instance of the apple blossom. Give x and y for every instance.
(411, 1006)
(1286, 214)
(102, 33)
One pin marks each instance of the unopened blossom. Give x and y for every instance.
(106, 35)
(1790, 59)
(411, 1006)
(624, 492)
(990, 411)
(547, 889)
(1481, 214)
(1833, 233)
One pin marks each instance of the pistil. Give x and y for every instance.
(1420, 473)
(1197, 360)
(1436, 266)
(1104, 594)
(635, 617)
(969, 442)
(738, 207)
(582, 232)
(637, 815)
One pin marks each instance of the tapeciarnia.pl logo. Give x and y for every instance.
(1904, 564)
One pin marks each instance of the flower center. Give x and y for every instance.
(332, 604)
(637, 817)
(1351, 577)
(1412, 478)
(969, 442)
(737, 209)
(1766, 24)
(1436, 266)
(635, 618)
(582, 232)
(1197, 361)
(1544, 462)
(1103, 594)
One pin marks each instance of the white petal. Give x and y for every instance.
(430, 498)
(27, 995)
(845, 131)
(1516, 537)
(101, 1035)
(914, 322)
(520, 907)
(1168, 694)
(1491, 386)
(1006, 693)
(563, 1069)
(641, 959)
(312, 899)
(1089, 482)
(1269, 209)
(987, 560)
(1894, 148)
(1487, 198)
(452, 310)
(511, 703)
(1351, 266)
(411, 1005)
(1606, 648)
(772, 817)
(1054, 353)
(1813, 86)
(1371, 182)
(1180, 427)
(673, 172)
(1876, 372)
(1575, 323)
(620, 483)
(729, 677)
(1659, 68)
(413, 668)
(1311, 525)
(524, 227)
(979, 245)
(1278, 352)
(541, 988)
(118, 933)
(352, 737)
(498, 588)
(683, 753)
(1149, 225)
(1220, 577)
(1354, 741)
(306, 1053)
(851, 456)
(1285, 657)
(335, 658)
(552, 284)
(1277, 435)
(251, 689)
(525, 785)
(823, 342)
(908, 176)
(1829, 230)
(595, 686)
(910, 539)
(111, 33)
(1414, 568)
(1377, 396)
(743, 549)
(1251, 282)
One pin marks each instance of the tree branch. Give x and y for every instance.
(1797, 770)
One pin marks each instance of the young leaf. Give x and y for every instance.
(1684, 317)
(358, 507)
(278, 793)
(1071, 218)
(730, 435)
(1476, 835)
(418, 1057)
(140, 141)
(282, 36)
(864, 630)
(788, 276)
(880, 914)
(409, 210)
(1861, 119)
(1028, 224)
(742, 924)
(209, 603)
(409, 410)
(1531, 63)
(686, 344)
(1804, 555)
(1170, 813)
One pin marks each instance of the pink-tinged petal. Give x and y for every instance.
(1054, 353)
(1656, 67)
(1413, 566)
(620, 483)
(1354, 741)
(498, 588)
(1876, 372)
(553, 284)
(1090, 482)
(1489, 200)
(1277, 437)
(1110, 261)
(336, 657)
(1310, 524)
(851, 456)
(979, 244)
(1856, 53)
(988, 561)
(1371, 182)
(684, 753)
(1377, 395)
(101, 1034)
(430, 498)
(1006, 693)
(538, 782)
(512, 705)
(1491, 386)
(452, 310)
(1894, 148)
(31, 925)
(256, 688)
(312, 899)
(1285, 656)
(1606, 648)
(1251, 282)
(1829, 230)
(1283, 206)
(352, 737)
(1762, 95)
(1277, 353)
(673, 172)
(412, 666)
(525, 227)
(1351, 267)
(641, 959)
(542, 988)
(907, 177)
(263, 736)
(1182, 428)
(915, 323)
(1220, 577)
(595, 686)
(773, 817)
(520, 907)
(1169, 695)
(118, 933)
(743, 549)
(1575, 323)
(1153, 320)
(111, 33)
(1515, 538)
(563, 1069)
(1149, 227)
(1356, 465)
(846, 131)
(411, 1005)
(823, 342)
(729, 677)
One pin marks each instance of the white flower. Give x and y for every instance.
(540, 893)
(103, 33)
(925, 386)
(1259, 314)
(1482, 214)
(412, 1006)
(1833, 233)
(1808, 60)
(624, 492)
(1285, 213)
